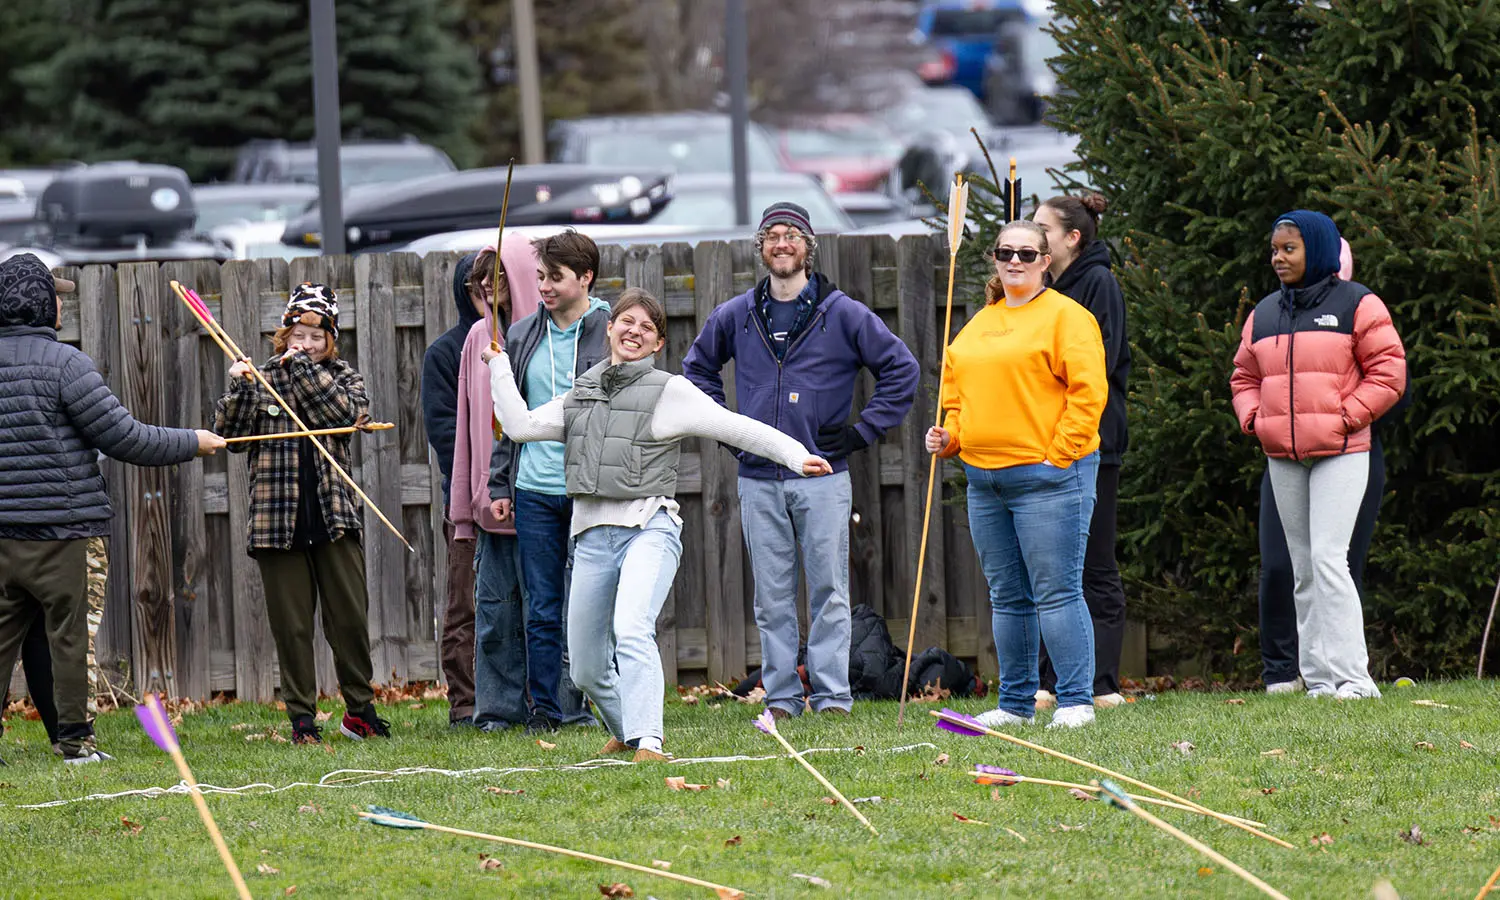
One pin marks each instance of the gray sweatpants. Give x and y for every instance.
(1319, 501)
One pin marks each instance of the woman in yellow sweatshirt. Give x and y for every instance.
(1024, 386)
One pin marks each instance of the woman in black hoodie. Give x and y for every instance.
(1080, 270)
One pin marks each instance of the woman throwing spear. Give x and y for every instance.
(304, 521)
(1024, 386)
(621, 424)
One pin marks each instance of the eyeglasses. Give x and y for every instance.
(1006, 254)
(791, 237)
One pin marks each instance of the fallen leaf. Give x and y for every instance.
(734, 841)
(415, 705)
(291, 889)
(1277, 752)
(942, 760)
(662, 864)
(1194, 793)
(323, 716)
(618, 889)
(132, 827)
(679, 783)
(546, 745)
(489, 863)
(1184, 747)
(1234, 701)
(727, 893)
(1323, 839)
(307, 809)
(1268, 790)
(859, 751)
(968, 821)
(995, 794)
(723, 783)
(1080, 794)
(506, 791)
(1424, 745)
(267, 869)
(830, 801)
(814, 880)
(243, 726)
(1204, 871)
(1413, 835)
(1465, 745)
(690, 699)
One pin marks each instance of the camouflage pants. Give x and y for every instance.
(98, 564)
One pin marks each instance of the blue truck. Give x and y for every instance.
(964, 31)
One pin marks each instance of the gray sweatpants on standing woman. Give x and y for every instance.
(783, 519)
(1319, 501)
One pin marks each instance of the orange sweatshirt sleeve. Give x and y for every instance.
(951, 410)
(1081, 368)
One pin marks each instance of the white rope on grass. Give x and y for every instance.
(350, 778)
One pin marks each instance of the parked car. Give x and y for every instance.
(949, 109)
(376, 216)
(685, 142)
(27, 184)
(966, 29)
(257, 240)
(624, 235)
(18, 223)
(1017, 79)
(362, 162)
(223, 204)
(849, 153)
(869, 208)
(118, 212)
(707, 201)
(932, 160)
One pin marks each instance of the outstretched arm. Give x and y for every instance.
(522, 425)
(685, 411)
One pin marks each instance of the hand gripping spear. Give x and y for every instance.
(958, 204)
(200, 311)
(510, 172)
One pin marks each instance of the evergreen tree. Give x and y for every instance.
(1201, 120)
(188, 84)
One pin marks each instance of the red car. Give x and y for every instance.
(850, 153)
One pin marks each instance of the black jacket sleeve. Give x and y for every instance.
(440, 404)
(108, 426)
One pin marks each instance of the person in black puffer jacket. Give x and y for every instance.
(1081, 270)
(56, 415)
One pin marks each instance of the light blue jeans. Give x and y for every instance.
(780, 518)
(499, 633)
(621, 577)
(1030, 526)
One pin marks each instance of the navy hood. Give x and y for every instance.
(28, 295)
(1320, 237)
(466, 314)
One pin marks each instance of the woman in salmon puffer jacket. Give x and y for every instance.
(1319, 360)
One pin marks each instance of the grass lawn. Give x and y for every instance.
(1360, 773)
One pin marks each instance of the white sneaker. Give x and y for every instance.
(1109, 701)
(1072, 717)
(1286, 687)
(1045, 700)
(1353, 691)
(1318, 692)
(999, 718)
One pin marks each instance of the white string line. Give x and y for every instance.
(348, 778)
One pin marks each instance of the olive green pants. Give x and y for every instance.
(50, 579)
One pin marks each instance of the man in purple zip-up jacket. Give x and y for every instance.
(799, 344)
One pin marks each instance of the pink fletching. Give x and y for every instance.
(157, 726)
(198, 304)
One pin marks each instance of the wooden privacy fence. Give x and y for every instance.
(185, 611)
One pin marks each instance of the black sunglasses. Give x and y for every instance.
(1006, 254)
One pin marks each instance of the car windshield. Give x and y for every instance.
(713, 207)
(971, 22)
(854, 140)
(687, 152)
(953, 110)
(213, 213)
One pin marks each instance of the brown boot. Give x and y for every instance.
(649, 756)
(614, 746)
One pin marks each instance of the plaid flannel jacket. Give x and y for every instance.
(330, 394)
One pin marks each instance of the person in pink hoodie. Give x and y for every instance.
(499, 638)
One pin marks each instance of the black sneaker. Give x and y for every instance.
(364, 724)
(83, 755)
(306, 731)
(462, 722)
(540, 723)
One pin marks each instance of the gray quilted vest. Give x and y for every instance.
(609, 452)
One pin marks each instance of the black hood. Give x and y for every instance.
(28, 295)
(1095, 255)
(467, 316)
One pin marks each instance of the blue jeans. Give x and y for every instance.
(499, 632)
(621, 577)
(542, 525)
(779, 518)
(1030, 526)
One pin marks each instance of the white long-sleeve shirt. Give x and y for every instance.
(682, 412)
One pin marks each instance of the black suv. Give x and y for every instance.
(362, 162)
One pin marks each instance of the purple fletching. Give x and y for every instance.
(157, 726)
(973, 729)
(765, 722)
(994, 770)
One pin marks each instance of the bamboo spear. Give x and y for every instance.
(320, 432)
(510, 172)
(767, 723)
(1006, 778)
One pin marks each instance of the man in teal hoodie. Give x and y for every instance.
(548, 349)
